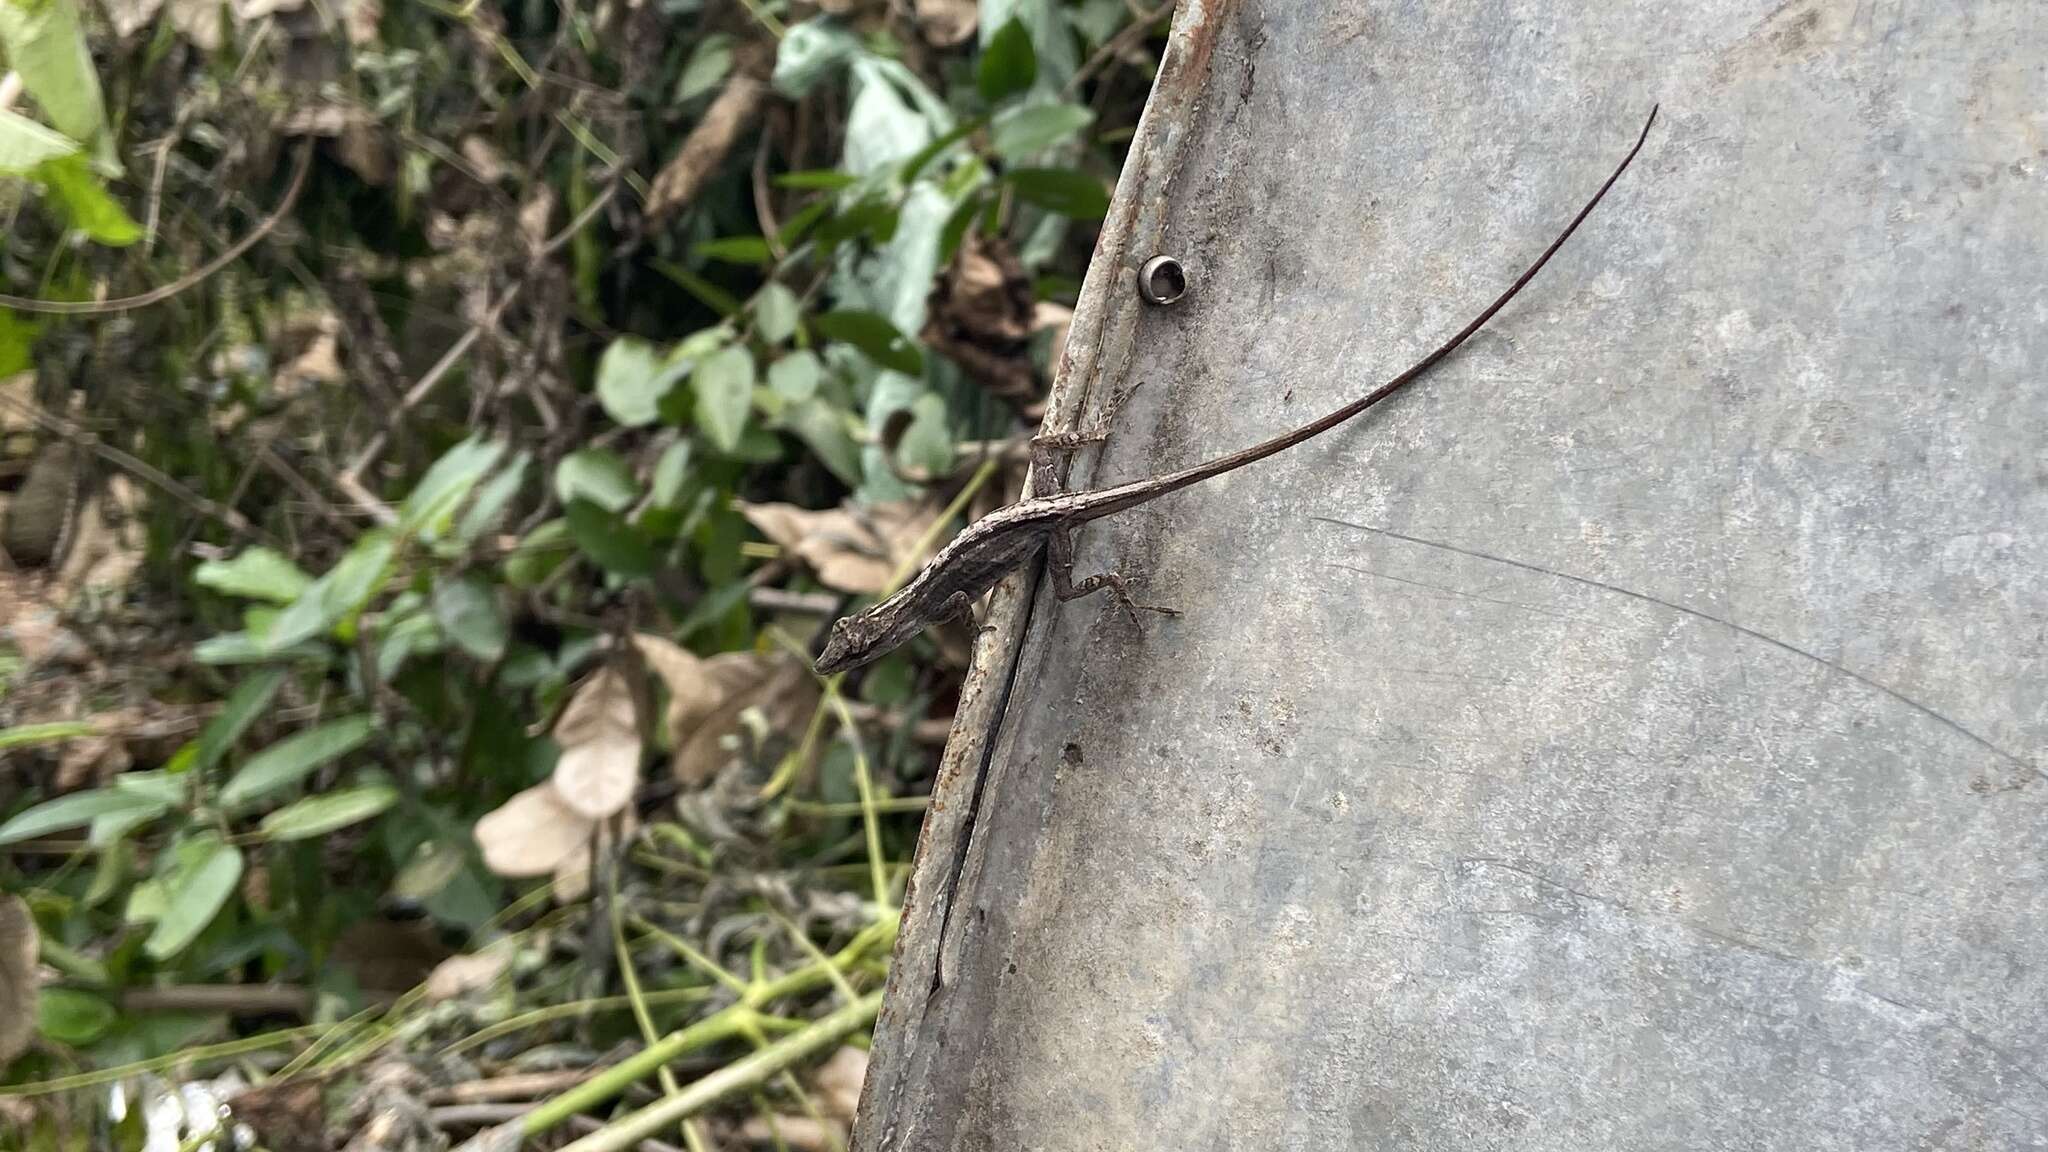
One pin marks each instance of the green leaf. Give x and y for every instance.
(630, 382)
(17, 342)
(609, 541)
(927, 443)
(165, 787)
(1008, 64)
(810, 51)
(1060, 190)
(250, 648)
(319, 815)
(876, 338)
(817, 179)
(956, 226)
(293, 758)
(76, 809)
(44, 41)
(724, 386)
(256, 574)
(669, 473)
(467, 609)
(537, 556)
(598, 475)
(341, 592)
(826, 431)
(202, 878)
(248, 701)
(930, 152)
(707, 67)
(795, 376)
(775, 312)
(735, 250)
(25, 144)
(402, 639)
(430, 509)
(28, 735)
(492, 499)
(876, 219)
(68, 1015)
(1023, 132)
(711, 295)
(87, 204)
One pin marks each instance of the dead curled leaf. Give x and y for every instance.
(858, 550)
(709, 698)
(981, 314)
(780, 686)
(18, 947)
(600, 740)
(572, 875)
(532, 833)
(944, 23)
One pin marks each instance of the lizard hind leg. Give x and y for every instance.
(1060, 565)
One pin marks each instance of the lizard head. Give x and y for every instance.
(861, 638)
(873, 632)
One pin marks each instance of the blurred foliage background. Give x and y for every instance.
(432, 437)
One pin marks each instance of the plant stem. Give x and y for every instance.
(740, 1075)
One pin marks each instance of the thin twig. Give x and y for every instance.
(747, 1072)
(140, 470)
(159, 295)
(1132, 34)
(350, 480)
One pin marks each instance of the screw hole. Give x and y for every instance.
(1162, 280)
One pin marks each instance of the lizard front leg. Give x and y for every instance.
(1059, 561)
(1050, 450)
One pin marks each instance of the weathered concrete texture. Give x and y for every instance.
(1631, 738)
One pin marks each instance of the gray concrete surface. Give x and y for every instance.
(1630, 739)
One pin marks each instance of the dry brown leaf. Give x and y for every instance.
(468, 971)
(534, 216)
(106, 549)
(599, 735)
(130, 16)
(572, 875)
(483, 159)
(360, 18)
(944, 23)
(198, 21)
(853, 551)
(92, 760)
(780, 685)
(981, 314)
(247, 10)
(597, 778)
(18, 947)
(532, 833)
(693, 690)
(18, 407)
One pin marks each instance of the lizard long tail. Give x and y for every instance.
(1145, 490)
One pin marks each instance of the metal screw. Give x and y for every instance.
(1162, 280)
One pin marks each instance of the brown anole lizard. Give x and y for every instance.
(1005, 540)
